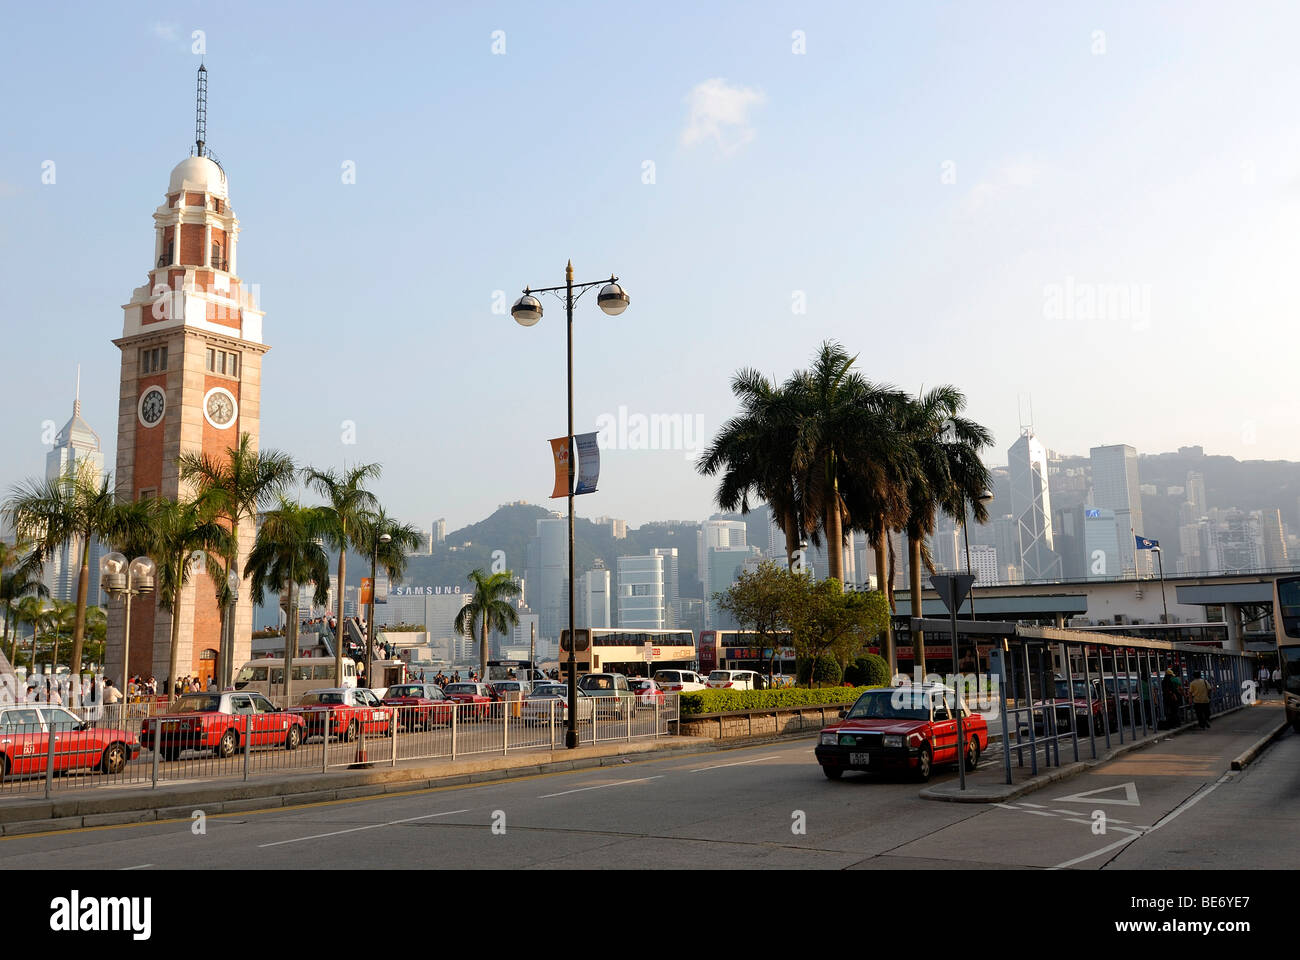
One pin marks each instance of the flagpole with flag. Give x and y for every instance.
(1143, 543)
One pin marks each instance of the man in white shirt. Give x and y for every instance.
(1277, 679)
(111, 693)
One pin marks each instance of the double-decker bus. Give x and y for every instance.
(604, 650)
(1286, 624)
(745, 650)
(512, 669)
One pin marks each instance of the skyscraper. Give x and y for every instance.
(1031, 506)
(671, 592)
(641, 592)
(547, 571)
(715, 533)
(593, 598)
(1115, 487)
(76, 447)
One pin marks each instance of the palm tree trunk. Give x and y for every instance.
(31, 670)
(914, 586)
(483, 651)
(791, 540)
(79, 625)
(833, 525)
(338, 633)
(891, 657)
(173, 662)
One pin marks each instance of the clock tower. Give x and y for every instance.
(191, 375)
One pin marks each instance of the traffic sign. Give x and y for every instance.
(952, 588)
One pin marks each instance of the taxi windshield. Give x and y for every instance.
(197, 703)
(406, 691)
(460, 688)
(897, 704)
(325, 698)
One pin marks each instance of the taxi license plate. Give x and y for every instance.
(860, 759)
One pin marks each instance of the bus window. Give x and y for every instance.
(321, 672)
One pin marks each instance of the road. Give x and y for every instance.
(758, 807)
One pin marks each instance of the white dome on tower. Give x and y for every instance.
(199, 174)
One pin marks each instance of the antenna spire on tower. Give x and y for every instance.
(76, 400)
(201, 111)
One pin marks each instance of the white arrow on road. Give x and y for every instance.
(1093, 796)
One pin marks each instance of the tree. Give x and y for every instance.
(288, 552)
(767, 601)
(30, 611)
(59, 618)
(237, 485)
(488, 609)
(838, 624)
(73, 507)
(183, 535)
(754, 454)
(945, 472)
(19, 577)
(391, 555)
(347, 502)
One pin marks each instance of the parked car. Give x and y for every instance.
(910, 728)
(648, 693)
(222, 723)
(345, 712)
(477, 699)
(614, 698)
(537, 708)
(1084, 699)
(513, 692)
(678, 681)
(419, 705)
(736, 680)
(25, 739)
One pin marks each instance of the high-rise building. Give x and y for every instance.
(671, 592)
(1031, 506)
(547, 570)
(440, 530)
(725, 567)
(715, 533)
(76, 448)
(617, 528)
(593, 600)
(1115, 487)
(984, 563)
(1196, 492)
(641, 592)
(1275, 554)
(191, 379)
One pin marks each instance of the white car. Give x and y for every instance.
(537, 708)
(678, 681)
(735, 680)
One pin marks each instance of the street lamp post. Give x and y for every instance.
(374, 590)
(527, 311)
(227, 662)
(1160, 561)
(119, 577)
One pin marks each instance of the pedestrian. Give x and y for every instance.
(1277, 680)
(212, 685)
(111, 693)
(1200, 693)
(1263, 679)
(1170, 694)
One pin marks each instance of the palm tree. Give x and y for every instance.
(753, 451)
(238, 486)
(347, 502)
(17, 579)
(30, 611)
(488, 610)
(946, 471)
(59, 618)
(391, 554)
(96, 635)
(71, 508)
(288, 552)
(180, 534)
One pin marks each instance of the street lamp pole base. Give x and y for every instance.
(570, 739)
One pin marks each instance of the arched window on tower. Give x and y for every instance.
(217, 262)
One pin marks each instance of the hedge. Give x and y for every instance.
(721, 701)
(868, 671)
(825, 671)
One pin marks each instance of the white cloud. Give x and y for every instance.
(1021, 172)
(720, 112)
(164, 31)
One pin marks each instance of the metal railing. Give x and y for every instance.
(125, 745)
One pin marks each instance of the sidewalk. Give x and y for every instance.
(1244, 730)
(105, 806)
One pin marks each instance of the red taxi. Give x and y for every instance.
(25, 740)
(421, 705)
(346, 712)
(648, 693)
(222, 723)
(479, 698)
(909, 728)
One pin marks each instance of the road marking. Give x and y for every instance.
(1094, 796)
(1025, 803)
(738, 763)
(143, 866)
(600, 786)
(1039, 813)
(370, 826)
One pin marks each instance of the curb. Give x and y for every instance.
(1013, 791)
(1240, 762)
(180, 802)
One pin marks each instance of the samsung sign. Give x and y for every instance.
(421, 591)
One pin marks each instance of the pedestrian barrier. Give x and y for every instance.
(48, 749)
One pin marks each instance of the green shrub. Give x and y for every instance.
(826, 672)
(722, 701)
(868, 671)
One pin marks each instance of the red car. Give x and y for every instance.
(25, 732)
(648, 693)
(1076, 703)
(421, 705)
(478, 696)
(222, 723)
(908, 728)
(346, 712)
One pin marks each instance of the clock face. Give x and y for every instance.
(219, 407)
(153, 403)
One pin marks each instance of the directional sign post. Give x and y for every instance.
(953, 589)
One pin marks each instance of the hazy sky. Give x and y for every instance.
(1095, 206)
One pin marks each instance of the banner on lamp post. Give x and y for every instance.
(588, 462)
(560, 451)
